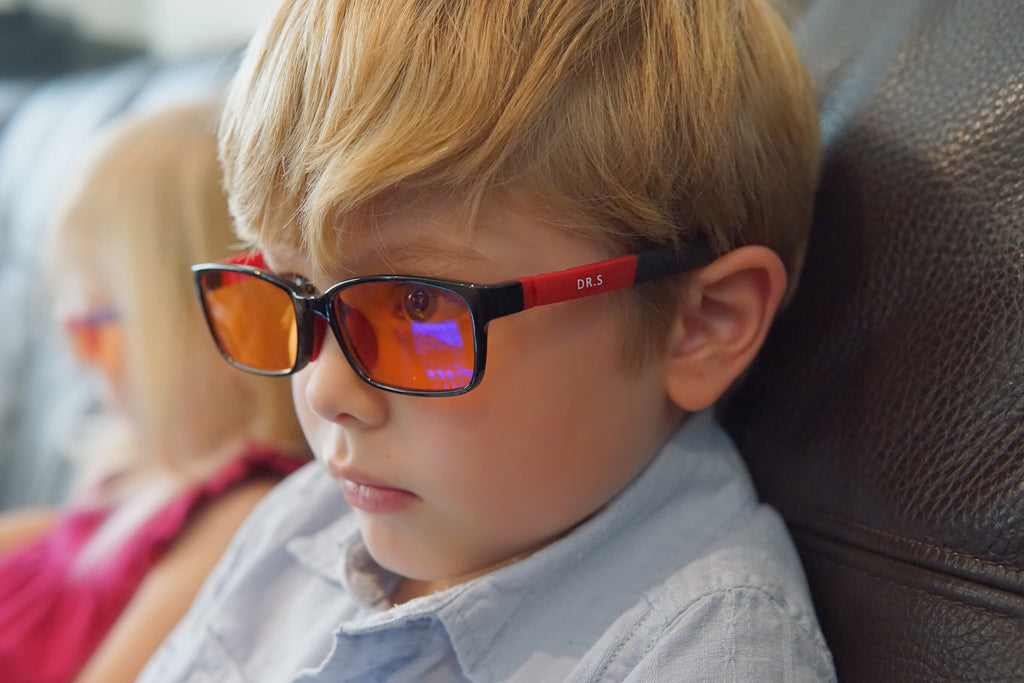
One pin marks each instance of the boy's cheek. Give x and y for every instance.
(307, 418)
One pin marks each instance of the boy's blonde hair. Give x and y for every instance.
(150, 204)
(635, 122)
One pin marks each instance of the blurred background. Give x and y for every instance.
(41, 37)
(67, 68)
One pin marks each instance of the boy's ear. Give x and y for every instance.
(723, 315)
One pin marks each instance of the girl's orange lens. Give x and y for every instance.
(252, 319)
(406, 335)
(97, 343)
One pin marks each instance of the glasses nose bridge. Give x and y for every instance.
(318, 305)
(320, 319)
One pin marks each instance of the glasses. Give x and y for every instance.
(91, 334)
(411, 335)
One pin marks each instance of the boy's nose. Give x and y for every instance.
(335, 392)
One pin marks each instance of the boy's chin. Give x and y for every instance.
(433, 565)
(402, 552)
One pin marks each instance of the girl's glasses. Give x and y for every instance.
(91, 334)
(410, 335)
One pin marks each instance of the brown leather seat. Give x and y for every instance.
(885, 417)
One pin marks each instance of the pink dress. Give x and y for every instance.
(51, 621)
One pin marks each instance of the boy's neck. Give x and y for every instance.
(409, 589)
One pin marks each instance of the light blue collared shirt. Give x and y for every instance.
(682, 576)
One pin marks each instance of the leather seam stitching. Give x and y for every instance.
(897, 540)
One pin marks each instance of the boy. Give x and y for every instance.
(412, 171)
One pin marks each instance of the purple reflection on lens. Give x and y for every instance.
(453, 379)
(441, 336)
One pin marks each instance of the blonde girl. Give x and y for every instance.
(184, 447)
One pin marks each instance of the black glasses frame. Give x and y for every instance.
(485, 302)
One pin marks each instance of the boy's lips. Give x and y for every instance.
(369, 494)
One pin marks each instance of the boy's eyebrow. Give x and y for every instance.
(430, 256)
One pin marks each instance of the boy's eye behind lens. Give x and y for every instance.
(420, 302)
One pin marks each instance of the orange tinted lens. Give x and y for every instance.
(86, 342)
(96, 344)
(252, 319)
(408, 335)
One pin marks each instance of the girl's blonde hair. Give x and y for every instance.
(148, 205)
(635, 122)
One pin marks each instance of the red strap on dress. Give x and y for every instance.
(52, 620)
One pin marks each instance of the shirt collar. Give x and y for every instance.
(338, 555)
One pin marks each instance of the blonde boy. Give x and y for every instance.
(574, 513)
